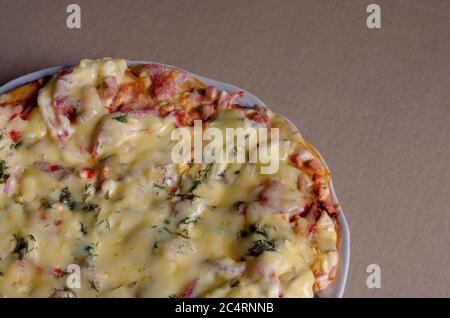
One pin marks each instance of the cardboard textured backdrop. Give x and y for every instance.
(376, 103)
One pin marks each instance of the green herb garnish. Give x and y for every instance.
(222, 173)
(82, 229)
(108, 226)
(46, 203)
(190, 219)
(260, 246)
(3, 175)
(162, 187)
(117, 287)
(186, 196)
(89, 207)
(259, 229)
(122, 118)
(176, 233)
(254, 228)
(23, 245)
(235, 283)
(65, 197)
(91, 250)
(93, 286)
(16, 145)
(87, 193)
(204, 173)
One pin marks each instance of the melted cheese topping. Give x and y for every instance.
(139, 225)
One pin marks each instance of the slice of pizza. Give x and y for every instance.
(88, 181)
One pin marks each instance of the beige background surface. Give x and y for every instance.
(376, 103)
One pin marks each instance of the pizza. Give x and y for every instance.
(92, 203)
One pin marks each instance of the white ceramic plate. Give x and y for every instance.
(336, 289)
